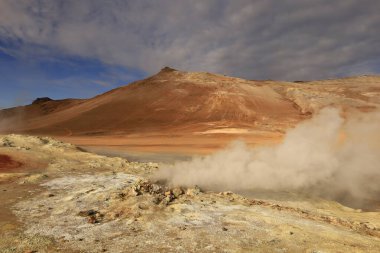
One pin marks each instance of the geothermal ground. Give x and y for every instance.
(306, 179)
(57, 198)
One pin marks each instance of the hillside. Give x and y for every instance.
(170, 99)
(177, 103)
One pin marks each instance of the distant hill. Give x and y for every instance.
(177, 101)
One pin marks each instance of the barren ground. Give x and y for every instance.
(197, 143)
(61, 199)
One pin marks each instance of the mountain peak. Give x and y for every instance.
(41, 100)
(167, 69)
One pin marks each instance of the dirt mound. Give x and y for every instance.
(7, 163)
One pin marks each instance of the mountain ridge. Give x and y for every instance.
(174, 100)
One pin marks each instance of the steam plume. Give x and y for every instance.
(327, 154)
(9, 120)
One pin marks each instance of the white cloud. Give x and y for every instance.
(253, 39)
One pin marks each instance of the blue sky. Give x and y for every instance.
(70, 48)
(58, 76)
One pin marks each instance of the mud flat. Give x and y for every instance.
(174, 144)
(65, 200)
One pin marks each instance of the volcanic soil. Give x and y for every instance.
(58, 198)
(69, 200)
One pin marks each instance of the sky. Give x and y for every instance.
(81, 48)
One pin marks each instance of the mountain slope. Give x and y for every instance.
(175, 101)
(170, 99)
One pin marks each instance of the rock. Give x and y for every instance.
(168, 197)
(116, 215)
(143, 206)
(90, 212)
(153, 165)
(92, 220)
(32, 179)
(156, 188)
(193, 191)
(8, 143)
(41, 100)
(165, 201)
(210, 247)
(177, 192)
(370, 226)
(134, 192)
(141, 187)
(156, 200)
(121, 195)
(167, 69)
(92, 216)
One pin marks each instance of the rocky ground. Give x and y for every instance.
(57, 198)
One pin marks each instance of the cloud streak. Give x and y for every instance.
(252, 39)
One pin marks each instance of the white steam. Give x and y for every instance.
(9, 120)
(327, 154)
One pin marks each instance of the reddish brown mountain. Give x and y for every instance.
(176, 101)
